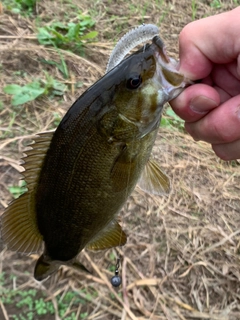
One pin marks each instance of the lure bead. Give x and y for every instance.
(116, 281)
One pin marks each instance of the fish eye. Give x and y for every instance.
(134, 82)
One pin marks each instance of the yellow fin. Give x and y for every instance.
(44, 268)
(153, 180)
(34, 158)
(79, 267)
(111, 236)
(123, 170)
(19, 225)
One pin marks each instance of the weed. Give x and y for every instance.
(172, 121)
(23, 7)
(8, 130)
(216, 4)
(23, 94)
(57, 119)
(31, 91)
(194, 10)
(16, 191)
(68, 36)
(52, 86)
(62, 67)
(33, 303)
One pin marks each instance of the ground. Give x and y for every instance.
(181, 260)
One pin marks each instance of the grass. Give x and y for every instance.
(33, 90)
(70, 36)
(171, 121)
(194, 9)
(32, 303)
(25, 7)
(181, 260)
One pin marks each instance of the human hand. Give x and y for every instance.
(210, 50)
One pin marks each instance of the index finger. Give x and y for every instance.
(210, 40)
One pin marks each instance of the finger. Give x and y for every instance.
(195, 102)
(226, 77)
(210, 40)
(227, 151)
(221, 125)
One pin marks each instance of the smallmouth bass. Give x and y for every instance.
(80, 176)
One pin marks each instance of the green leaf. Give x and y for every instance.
(25, 93)
(12, 89)
(73, 31)
(165, 123)
(89, 35)
(44, 37)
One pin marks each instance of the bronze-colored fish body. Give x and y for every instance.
(93, 162)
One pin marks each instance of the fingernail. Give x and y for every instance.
(202, 104)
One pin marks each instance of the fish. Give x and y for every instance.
(80, 175)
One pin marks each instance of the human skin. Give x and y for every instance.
(210, 51)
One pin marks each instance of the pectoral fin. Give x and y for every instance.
(111, 236)
(153, 180)
(123, 170)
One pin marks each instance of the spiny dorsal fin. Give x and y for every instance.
(111, 236)
(153, 180)
(19, 226)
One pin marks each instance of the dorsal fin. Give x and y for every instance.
(19, 226)
(111, 236)
(153, 180)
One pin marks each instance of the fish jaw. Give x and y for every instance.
(171, 81)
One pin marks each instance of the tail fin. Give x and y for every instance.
(43, 268)
(80, 267)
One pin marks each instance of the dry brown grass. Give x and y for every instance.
(181, 260)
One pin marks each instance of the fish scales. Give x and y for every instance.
(80, 176)
(72, 207)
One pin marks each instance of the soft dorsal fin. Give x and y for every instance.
(153, 180)
(111, 236)
(19, 226)
(34, 158)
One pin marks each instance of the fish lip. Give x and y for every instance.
(167, 89)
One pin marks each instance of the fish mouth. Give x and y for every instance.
(172, 81)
